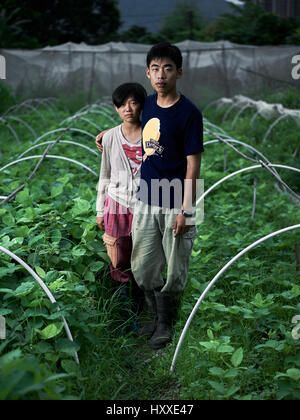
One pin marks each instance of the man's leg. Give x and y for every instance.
(147, 259)
(178, 252)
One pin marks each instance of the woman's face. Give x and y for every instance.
(130, 110)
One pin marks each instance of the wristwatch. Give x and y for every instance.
(186, 214)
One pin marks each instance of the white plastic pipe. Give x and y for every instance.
(213, 281)
(78, 130)
(273, 125)
(60, 141)
(50, 157)
(43, 286)
(22, 122)
(11, 129)
(239, 172)
(230, 140)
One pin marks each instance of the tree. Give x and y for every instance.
(135, 33)
(52, 22)
(185, 22)
(10, 27)
(251, 25)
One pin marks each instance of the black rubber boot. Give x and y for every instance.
(138, 297)
(149, 328)
(129, 306)
(167, 308)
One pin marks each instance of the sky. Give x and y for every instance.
(236, 2)
(149, 13)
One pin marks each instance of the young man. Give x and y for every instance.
(161, 232)
(161, 229)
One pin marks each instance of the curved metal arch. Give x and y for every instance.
(11, 129)
(45, 289)
(49, 101)
(213, 281)
(66, 130)
(22, 122)
(230, 140)
(94, 111)
(15, 107)
(60, 141)
(206, 122)
(237, 115)
(254, 117)
(35, 110)
(273, 125)
(80, 116)
(216, 101)
(249, 168)
(92, 123)
(43, 102)
(104, 106)
(50, 157)
(91, 109)
(234, 105)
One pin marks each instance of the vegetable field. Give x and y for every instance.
(63, 337)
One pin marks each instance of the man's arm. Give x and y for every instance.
(192, 175)
(99, 140)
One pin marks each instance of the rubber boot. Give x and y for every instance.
(138, 297)
(127, 309)
(149, 328)
(167, 308)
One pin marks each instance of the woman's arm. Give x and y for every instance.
(104, 179)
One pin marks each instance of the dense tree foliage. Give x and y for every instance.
(55, 22)
(32, 25)
(250, 25)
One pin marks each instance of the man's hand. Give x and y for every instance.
(100, 222)
(99, 140)
(179, 227)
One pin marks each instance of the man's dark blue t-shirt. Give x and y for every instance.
(169, 136)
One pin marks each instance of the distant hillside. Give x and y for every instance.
(149, 13)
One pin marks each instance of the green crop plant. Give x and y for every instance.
(240, 343)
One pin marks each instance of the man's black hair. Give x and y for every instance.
(165, 50)
(127, 90)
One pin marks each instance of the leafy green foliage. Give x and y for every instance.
(92, 22)
(239, 345)
(252, 25)
(51, 225)
(184, 22)
(247, 316)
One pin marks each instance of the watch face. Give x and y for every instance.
(186, 214)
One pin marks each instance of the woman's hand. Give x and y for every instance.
(100, 222)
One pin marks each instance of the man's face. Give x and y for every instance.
(163, 75)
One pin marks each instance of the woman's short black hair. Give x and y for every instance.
(165, 50)
(126, 90)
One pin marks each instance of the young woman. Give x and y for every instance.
(118, 182)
